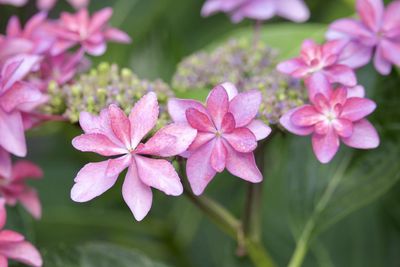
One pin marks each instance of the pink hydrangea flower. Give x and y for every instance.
(114, 134)
(323, 59)
(332, 116)
(376, 31)
(227, 134)
(14, 246)
(295, 10)
(14, 189)
(91, 33)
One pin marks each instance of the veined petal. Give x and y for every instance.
(199, 121)
(97, 143)
(259, 129)
(217, 105)
(228, 123)
(318, 83)
(357, 108)
(159, 174)
(325, 146)
(306, 116)
(137, 195)
(364, 136)
(218, 156)
(201, 139)
(343, 127)
(244, 107)
(242, 140)
(286, 122)
(21, 93)
(120, 125)
(177, 108)
(339, 96)
(230, 89)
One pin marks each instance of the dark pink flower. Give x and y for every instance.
(295, 10)
(323, 59)
(332, 116)
(14, 246)
(227, 134)
(376, 31)
(14, 189)
(114, 134)
(91, 33)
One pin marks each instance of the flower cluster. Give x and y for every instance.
(249, 67)
(102, 86)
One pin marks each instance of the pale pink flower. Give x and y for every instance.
(49, 4)
(227, 134)
(112, 133)
(377, 31)
(295, 10)
(14, 188)
(14, 2)
(91, 33)
(14, 246)
(322, 59)
(332, 116)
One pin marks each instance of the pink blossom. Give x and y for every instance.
(112, 133)
(14, 246)
(332, 116)
(227, 134)
(91, 33)
(376, 30)
(14, 189)
(323, 59)
(295, 10)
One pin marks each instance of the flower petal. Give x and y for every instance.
(286, 122)
(259, 129)
(177, 108)
(20, 94)
(343, 127)
(199, 169)
(201, 139)
(291, 65)
(341, 74)
(357, 108)
(120, 124)
(356, 91)
(347, 28)
(244, 107)
(218, 156)
(228, 123)
(391, 20)
(97, 143)
(12, 137)
(242, 140)
(100, 19)
(5, 164)
(92, 181)
(243, 165)
(325, 146)
(356, 54)
(199, 121)
(137, 195)
(391, 51)
(116, 35)
(294, 10)
(230, 89)
(364, 136)
(159, 174)
(306, 116)
(23, 252)
(371, 13)
(217, 105)
(30, 200)
(318, 83)
(143, 117)
(382, 65)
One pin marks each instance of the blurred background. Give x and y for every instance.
(359, 226)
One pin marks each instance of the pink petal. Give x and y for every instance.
(228, 123)
(97, 143)
(10, 236)
(159, 174)
(22, 252)
(357, 108)
(230, 89)
(371, 12)
(5, 163)
(199, 120)
(391, 19)
(364, 136)
(290, 66)
(243, 165)
(347, 28)
(177, 108)
(16, 69)
(391, 51)
(3, 261)
(286, 122)
(91, 181)
(60, 46)
(100, 19)
(318, 83)
(242, 140)
(200, 140)
(12, 136)
(339, 96)
(117, 165)
(21, 93)
(333, 48)
(13, 27)
(343, 127)
(77, 4)
(143, 117)
(295, 10)
(259, 129)
(306, 116)
(120, 125)
(218, 156)
(341, 74)
(45, 4)
(3, 213)
(356, 91)
(95, 49)
(212, 6)
(382, 65)
(16, 46)
(310, 50)
(256, 9)
(30, 200)
(325, 146)
(244, 107)
(217, 105)
(23, 169)
(137, 195)
(199, 169)
(115, 35)
(169, 141)
(355, 55)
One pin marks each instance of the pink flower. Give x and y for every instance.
(91, 33)
(378, 30)
(331, 117)
(294, 10)
(227, 134)
(114, 134)
(13, 245)
(49, 4)
(323, 59)
(14, 189)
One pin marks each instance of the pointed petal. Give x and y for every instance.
(12, 137)
(306, 116)
(97, 143)
(242, 140)
(218, 156)
(371, 12)
(259, 129)
(357, 108)
(341, 74)
(243, 165)
(364, 136)
(230, 89)
(199, 169)
(22, 93)
(391, 51)
(382, 65)
(30, 200)
(318, 83)
(290, 66)
(228, 123)
(120, 125)
(201, 139)
(100, 19)
(117, 165)
(16, 69)
(347, 28)
(143, 117)
(325, 146)
(13, 27)
(244, 107)
(391, 19)
(137, 195)
(159, 174)
(116, 35)
(11, 236)
(177, 108)
(91, 181)
(339, 96)
(199, 121)
(355, 55)
(217, 104)
(286, 122)
(23, 252)
(294, 10)
(23, 169)
(356, 91)
(95, 49)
